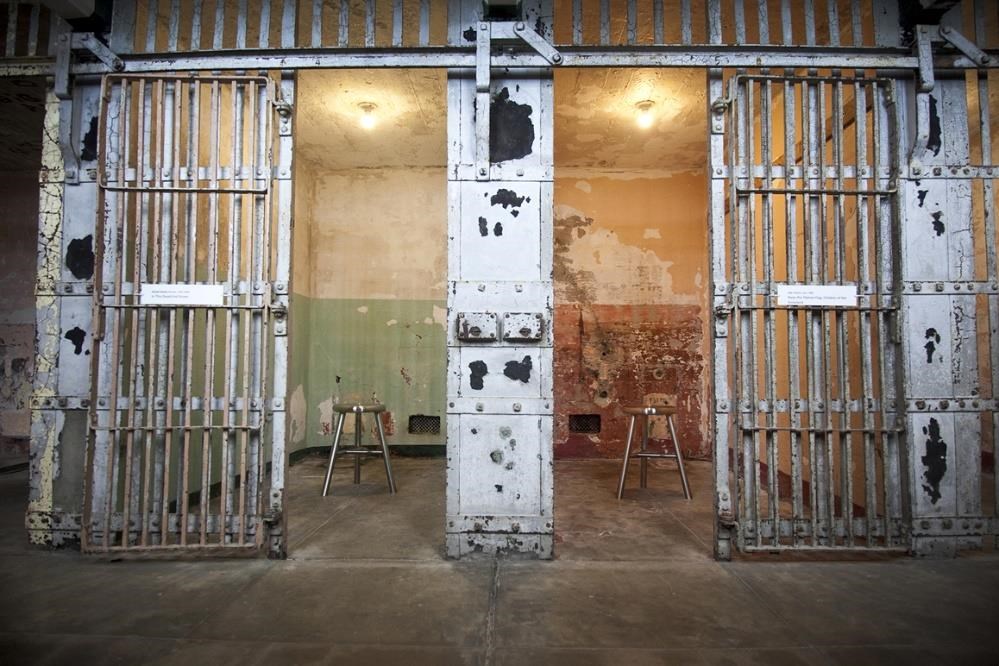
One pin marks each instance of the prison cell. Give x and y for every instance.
(182, 381)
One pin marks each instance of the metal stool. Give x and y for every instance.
(644, 454)
(358, 450)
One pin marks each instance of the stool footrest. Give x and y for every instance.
(647, 454)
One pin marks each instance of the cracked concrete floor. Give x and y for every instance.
(365, 583)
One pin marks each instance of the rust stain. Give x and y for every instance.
(611, 356)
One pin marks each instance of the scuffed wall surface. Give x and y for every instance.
(18, 231)
(631, 317)
(373, 299)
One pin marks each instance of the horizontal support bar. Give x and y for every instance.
(495, 405)
(958, 404)
(217, 403)
(960, 171)
(963, 288)
(815, 191)
(802, 527)
(165, 428)
(955, 526)
(257, 288)
(803, 405)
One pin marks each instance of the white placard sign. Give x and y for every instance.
(819, 295)
(182, 294)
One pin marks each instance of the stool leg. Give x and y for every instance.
(385, 455)
(679, 458)
(336, 444)
(357, 445)
(627, 452)
(645, 445)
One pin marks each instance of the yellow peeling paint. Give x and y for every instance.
(45, 431)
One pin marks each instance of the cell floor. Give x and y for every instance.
(366, 583)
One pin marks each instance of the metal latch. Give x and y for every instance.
(477, 326)
(523, 326)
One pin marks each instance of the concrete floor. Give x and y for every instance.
(634, 583)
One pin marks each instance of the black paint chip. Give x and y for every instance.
(76, 336)
(934, 339)
(934, 141)
(511, 130)
(507, 199)
(479, 370)
(935, 461)
(483, 226)
(938, 225)
(497, 229)
(80, 257)
(88, 149)
(519, 369)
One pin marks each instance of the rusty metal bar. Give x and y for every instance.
(632, 23)
(658, 30)
(241, 21)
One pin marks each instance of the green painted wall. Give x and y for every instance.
(347, 350)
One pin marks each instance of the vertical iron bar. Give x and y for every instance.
(11, 28)
(856, 22)
(190, 274)
(264, 37)
(632, 22)
(770, 332)
(658, 33)
(864, 277)
(821, 248)
(763, 16)
(196, 25)
(151, 22)
(173, 31)
(686, 23)
(809, 111)
(833, 11)
(369, 23)
(241, 21)
(33, 30)
(397, 21)
(343, 33)
(218, 32)
(604, 22)
(809, 7)
(753, 370)
(787, 30)
(739, 17)
(317, 23)
(793, 315)
(212, 278)
(842, 340)
(288, 24)
(424, 22)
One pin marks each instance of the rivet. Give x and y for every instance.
(938, 286)
(482, 287)
(479, 407)
(516, 407)
(937, 171)
(916, 286)
(520, 172)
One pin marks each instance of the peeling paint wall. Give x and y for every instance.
(22, 103)
(631, 306)
(373, 300)
(19, 213)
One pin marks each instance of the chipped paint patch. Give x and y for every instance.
(651, 233)
(298, 415)
(363, 309)
(391, 322)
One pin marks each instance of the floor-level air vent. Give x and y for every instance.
(421, 424)
(584, 423)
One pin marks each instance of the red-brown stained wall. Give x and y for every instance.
(630, 267)
(611, 356)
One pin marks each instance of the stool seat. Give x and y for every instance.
(354, 408)
(646, 412)
(358, 409)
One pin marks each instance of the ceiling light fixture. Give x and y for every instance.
(368, 118)
(644, 115)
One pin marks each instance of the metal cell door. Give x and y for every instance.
(191, 300)
(804, 252)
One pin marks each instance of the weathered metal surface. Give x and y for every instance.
(499, 472)
(181, 391)
(810, 395)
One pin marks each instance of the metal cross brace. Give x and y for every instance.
(500, 30)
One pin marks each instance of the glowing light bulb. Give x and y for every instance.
(645, 116)
(368, 118)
